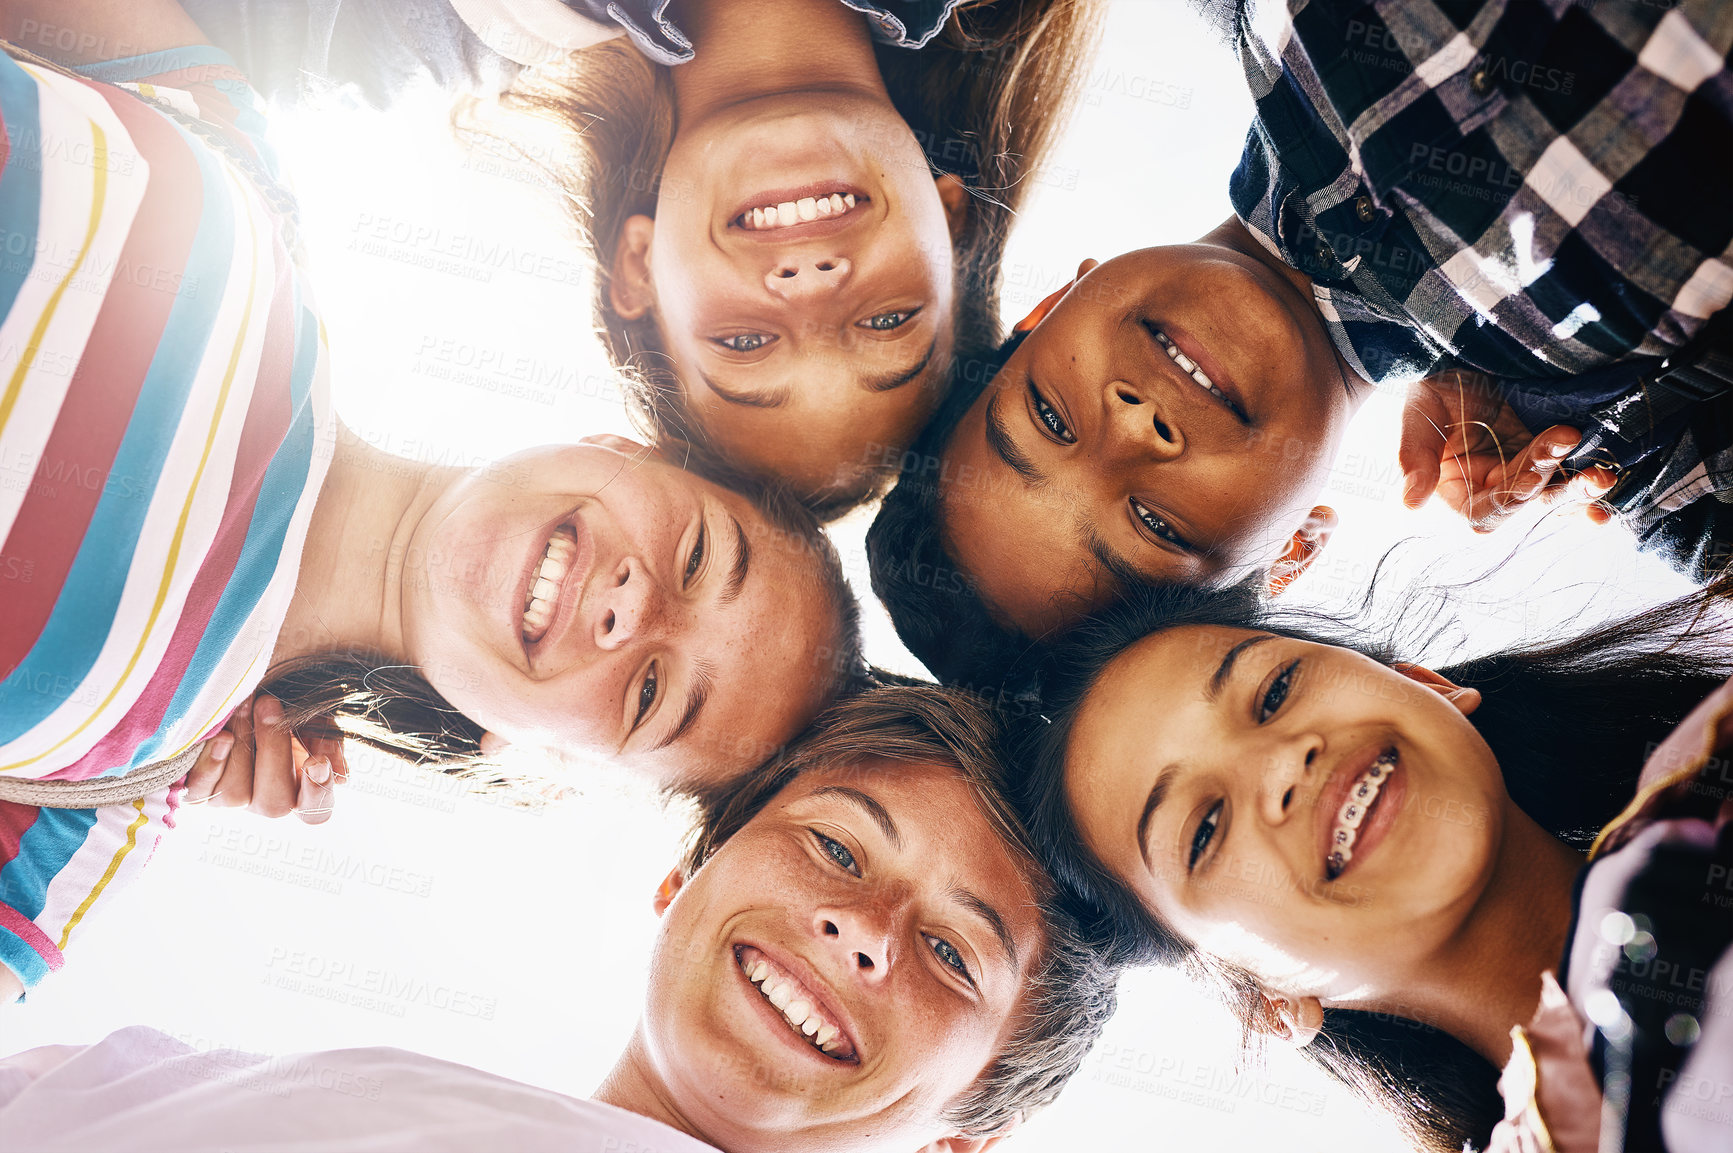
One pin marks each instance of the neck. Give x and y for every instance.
(1233, 234)
(349, 593)
(748, 49)
(634, 1085)
(1487, 978)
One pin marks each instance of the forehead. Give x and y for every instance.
(931, 805)
(1161, 675)
(774, 649)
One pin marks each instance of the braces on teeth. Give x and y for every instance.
(1353, 812)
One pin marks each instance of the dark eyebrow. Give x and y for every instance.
(1226, 669)
(1156, 794)
(897, 380)
(1117, 569)
(742, 562)
(770, 398)
(999, 440)
(976, 905)
(696, 695)
(880, 815)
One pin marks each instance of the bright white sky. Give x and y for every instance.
(515, 939)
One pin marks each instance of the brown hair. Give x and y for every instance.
(988, 94)
(1069, 996)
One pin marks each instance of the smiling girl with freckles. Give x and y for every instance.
(1349, 845)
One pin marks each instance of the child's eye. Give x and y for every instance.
(647, 695)
(887, 321)
(1205, 833)
(697, 557)
(1157, 525)
(1277, 692)
(1044, 411)
(948, 954)
(745, 341)
(837, 851)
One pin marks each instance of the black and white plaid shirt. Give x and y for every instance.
(1532, 188)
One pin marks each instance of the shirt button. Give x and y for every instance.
(1481, 81)
(1363, 208)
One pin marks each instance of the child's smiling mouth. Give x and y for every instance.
(1191, 368)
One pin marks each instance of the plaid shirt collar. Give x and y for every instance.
(1517, 186)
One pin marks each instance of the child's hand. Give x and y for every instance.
(257, 763)
(1462, 441)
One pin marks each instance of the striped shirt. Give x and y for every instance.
(164, 431)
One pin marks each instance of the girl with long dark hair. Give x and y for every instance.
(1360, 853)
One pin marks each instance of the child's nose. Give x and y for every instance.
(1134, 415)
(800, 277)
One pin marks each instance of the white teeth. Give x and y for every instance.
(800, 211)
(801, 1014)
(1187, 364)
(544, 590)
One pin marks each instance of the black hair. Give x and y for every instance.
(1569, 720)
(934, 604)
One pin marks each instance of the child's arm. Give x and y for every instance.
(1461, 440)
(258, 763)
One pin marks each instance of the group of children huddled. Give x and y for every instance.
(912, 901)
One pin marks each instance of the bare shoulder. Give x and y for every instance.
(86, 31)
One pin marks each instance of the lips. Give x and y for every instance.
(553, 582)
(807, 211)
(1357, 807)
(1199, 365)
(796, 1003)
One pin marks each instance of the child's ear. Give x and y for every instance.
(630, 289)
(954, 195)
(624, 445)
(1298, 1020)
(1040, 311)
(962, 1144)
(1466, 700)
(667, 889)
(1303, 548)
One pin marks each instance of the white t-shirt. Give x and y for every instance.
(139, 1089)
